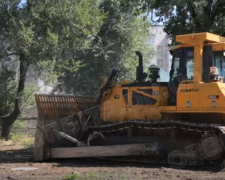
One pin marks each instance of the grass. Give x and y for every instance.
(71, 176)
(18, 125)
(95, 176)
(1, 141)
(20, 138)
(17, 137)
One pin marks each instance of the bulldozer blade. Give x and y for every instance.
(100, 151)
(52, 129)
(71, 126)
(49, 130)
(54, 107)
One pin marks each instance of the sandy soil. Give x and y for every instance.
(14, 157)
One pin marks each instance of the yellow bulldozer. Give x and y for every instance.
(180, 122)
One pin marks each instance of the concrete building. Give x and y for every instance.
(159, 40)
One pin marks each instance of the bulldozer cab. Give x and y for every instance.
(194, 57)
(198, 64)
(183, 64)
(200, 58)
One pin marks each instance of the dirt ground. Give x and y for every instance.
(15, 164)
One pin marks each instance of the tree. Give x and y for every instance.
(188, 16)
(41, 33)
(7, 90)
(120, 35)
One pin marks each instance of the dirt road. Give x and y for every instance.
(15, 165)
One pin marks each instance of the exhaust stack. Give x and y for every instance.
(139, 69)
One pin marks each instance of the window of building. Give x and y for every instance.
(160, 49)
(152, 39)
(160, 63)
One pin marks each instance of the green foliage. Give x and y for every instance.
(28, 94)
(72, 176)
(46, 71)
(18, 125)
(20, 138)
(7, 90)
(185, 16)
(120, 35)
(64, 27)
(48, 31)
(16, 136)
(8, 87)
(96, 176)
(46, 34)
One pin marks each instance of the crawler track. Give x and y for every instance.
(184, 141)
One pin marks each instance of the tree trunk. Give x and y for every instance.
(8, 121)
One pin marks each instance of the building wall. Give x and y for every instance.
(160, 42)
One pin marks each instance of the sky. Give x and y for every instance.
(22, 2)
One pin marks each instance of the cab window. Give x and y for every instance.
(219, 62)
(140, 99)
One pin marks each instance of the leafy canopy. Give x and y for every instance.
(48, 29)
(188, 16)
(45, 34)
(120, 35)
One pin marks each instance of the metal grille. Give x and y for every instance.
(55, 107)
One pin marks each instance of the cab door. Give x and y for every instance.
(143, 103)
